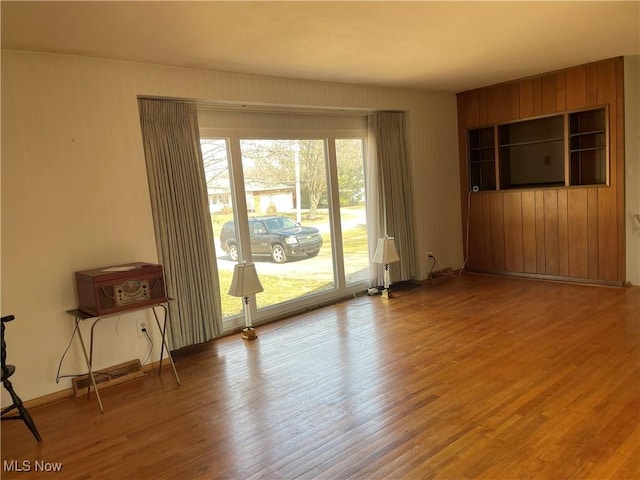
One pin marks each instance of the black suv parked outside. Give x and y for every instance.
(279, 237)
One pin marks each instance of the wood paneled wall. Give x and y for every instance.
(569, 232)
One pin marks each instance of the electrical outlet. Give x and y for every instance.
(429, 254)
(141, 324)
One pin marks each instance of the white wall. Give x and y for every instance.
(75, 193)
(632, 164)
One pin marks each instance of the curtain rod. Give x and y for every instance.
(251, 107)
(289, 109)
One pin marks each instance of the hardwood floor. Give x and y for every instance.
(477, 377)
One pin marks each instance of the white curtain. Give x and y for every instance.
(184, 236)
(390, 209)
(375, 217)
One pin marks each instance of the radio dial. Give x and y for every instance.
(132, 291)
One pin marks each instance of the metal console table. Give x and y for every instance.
(80, 316)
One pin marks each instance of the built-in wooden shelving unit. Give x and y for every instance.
(542, 161)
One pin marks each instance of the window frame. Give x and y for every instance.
(233, 137)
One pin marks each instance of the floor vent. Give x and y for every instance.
(108, 376)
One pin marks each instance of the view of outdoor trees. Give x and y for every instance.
(289, 178)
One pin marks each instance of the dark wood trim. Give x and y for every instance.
(554, 278)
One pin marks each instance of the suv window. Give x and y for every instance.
(280, 223)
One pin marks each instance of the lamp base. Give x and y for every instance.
(249, 333)
(386, 293)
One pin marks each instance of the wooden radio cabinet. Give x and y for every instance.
(102, 291)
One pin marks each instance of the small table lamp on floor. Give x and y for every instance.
(245, 282)
(386, 253)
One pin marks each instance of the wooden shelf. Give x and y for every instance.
(588, 163)
(531, 153)
(482, 159)
(573, 228)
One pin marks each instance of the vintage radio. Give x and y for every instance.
(119, 288)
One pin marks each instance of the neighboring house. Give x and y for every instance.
(259, 199)
(270, 200)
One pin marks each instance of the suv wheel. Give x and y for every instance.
(233, 252)
(278, 254)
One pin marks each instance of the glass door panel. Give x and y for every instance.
(289, 225)
(353, 218)
(216, 168)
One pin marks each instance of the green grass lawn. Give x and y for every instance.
(276, 290)
(283, 288)
(355, 240)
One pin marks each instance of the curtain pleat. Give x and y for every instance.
(375, 216)
(184, 236)
(395, 205)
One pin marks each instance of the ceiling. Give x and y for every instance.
(449, 46)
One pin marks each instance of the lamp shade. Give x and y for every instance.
(245, 280)
(386, 251)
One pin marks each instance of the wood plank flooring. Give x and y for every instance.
(476, 377)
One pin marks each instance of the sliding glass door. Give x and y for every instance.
(294, 206)
(215, 155)
(285, 185)
(353, 218)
